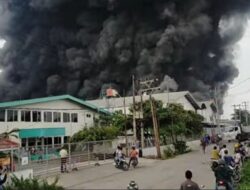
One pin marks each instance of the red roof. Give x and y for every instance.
(8, 144)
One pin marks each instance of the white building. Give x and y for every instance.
(49, 120)
(117, 104)
(209, 111)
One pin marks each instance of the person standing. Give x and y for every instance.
(203, 144)
(63, 154)
(189, 184)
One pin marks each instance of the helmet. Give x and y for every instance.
(132, 186)
(237, 145)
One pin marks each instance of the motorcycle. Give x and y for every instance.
(134, 162)
(236, 173)
(121, 164)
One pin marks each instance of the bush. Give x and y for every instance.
(168, 152)
(32, 184)
(96, 134)
(180, 147)
(245, 183)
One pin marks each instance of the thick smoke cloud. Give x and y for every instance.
(77, 46)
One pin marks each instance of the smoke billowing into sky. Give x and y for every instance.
(77, 46)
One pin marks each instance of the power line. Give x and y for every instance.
(241, 82)
(237, 94)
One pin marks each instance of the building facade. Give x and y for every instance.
(47, 121)
(209, 111)
(124, 104)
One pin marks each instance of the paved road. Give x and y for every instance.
(150, 174)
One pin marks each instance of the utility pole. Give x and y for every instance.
(235, 114)
(125, 118)
(239, 112)
(246, 112)
(148, 88)
(134, 121)
(217, 108)
(141, 120)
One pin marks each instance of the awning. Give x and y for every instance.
(7, 144)
(41, 132)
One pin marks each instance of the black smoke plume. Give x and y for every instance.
(77, 46)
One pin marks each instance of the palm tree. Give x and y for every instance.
(8, 134)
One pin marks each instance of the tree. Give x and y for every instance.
(174, 120)
(242, 115)
(8, 134)
(96, 133)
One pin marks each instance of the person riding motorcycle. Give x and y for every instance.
(118, 154)
(229, 160)
(223, 173)
(237, 157)
(133, 155)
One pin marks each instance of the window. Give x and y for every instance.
(2, 115)
(47, 116)
(57, 140)
(12, 115)
(66, 117)
(57, 116)
(25, 116)
(36, 116)
(74, 117)
(88, 115)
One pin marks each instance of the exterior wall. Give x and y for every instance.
(185, 103)
(208, 114)
(53, 106)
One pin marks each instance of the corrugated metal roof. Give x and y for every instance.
(49, 99)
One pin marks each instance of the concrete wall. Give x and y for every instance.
(194, 145)
(53, 106)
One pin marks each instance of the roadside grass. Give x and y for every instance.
(245, 180)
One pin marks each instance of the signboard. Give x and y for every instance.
(25, 161)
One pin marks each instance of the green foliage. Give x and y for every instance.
(242, 115)
(245, 182)
(180, 147)
(8, 134)
(168, 153)
(32, 184)
(96, 134)
(173, 120)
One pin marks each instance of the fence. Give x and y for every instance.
(46, 159)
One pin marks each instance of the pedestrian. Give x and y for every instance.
(63, 154)
(2, 180)
(189, 184)
(208, 139)
(203, 144)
